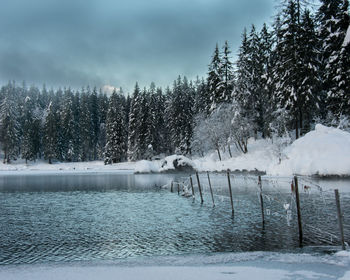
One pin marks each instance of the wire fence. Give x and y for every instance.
(276, 199)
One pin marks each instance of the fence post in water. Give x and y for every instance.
(229, 187)
(192, 186)
(261, 203)
(211, 190)
(199, 187)
(340, 219)
(171, 186)
(297, 199)
(178, 188)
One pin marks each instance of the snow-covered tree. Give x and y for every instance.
(134, 124)
(85, 126)
(215, 85)
(334, 21)
(50, 133)
(9, 125)
(115, 130)
(227, 83)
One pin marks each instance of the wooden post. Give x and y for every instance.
(199, 187)
(192, 186)
(297, 199)
(229, 187)
(211, 190)
(171, 187)
(261, 203)
(178, 188)
(340, 219)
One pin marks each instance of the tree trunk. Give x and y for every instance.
(296, 129)
(301, 121)
(218, 150)
(50, 162)
(229, 150)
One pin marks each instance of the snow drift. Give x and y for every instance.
(324, 151)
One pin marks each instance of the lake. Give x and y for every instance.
(50, 218)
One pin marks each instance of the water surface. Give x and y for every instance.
(87, 217)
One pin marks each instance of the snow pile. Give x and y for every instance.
(176, 162)
(324, 151)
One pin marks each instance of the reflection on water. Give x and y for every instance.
(106, 217)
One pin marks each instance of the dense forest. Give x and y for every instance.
(287, 77)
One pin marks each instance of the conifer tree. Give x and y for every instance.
(115, 130)
(85, 126)
(334, 21)
(134, 124)
(227, 82)
(50, 133)
(9, 125)
(29, 131)
(215, 84)
(67, 125)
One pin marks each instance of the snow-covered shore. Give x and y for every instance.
(219, 267)
(324, 151)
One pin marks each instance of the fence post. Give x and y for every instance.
(178, 188)
(192, 186)
(211, 191)
(199, 187)
(298, 211)
(171, 187)
(261, 202)
(340, 219)
(229, 187)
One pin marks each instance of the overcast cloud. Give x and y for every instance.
(116, 43)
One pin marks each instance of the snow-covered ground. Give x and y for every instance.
(219, 267)
(323, 151)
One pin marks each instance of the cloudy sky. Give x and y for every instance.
(118, 42)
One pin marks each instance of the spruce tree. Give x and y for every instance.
(85, 126)
(9, 125)
(67, 125)
(95, 123)
(134, 124)
(227, 82)
(28, 141)
(50, 133)
(215, 81)
(115, 130)
(334, 21)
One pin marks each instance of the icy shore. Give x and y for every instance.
(218, 267)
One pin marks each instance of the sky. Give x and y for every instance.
(114, 43)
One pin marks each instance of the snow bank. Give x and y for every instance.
(324, 151)
(248, 265)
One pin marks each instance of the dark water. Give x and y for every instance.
(64, 218)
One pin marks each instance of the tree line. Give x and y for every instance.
(286, 77)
